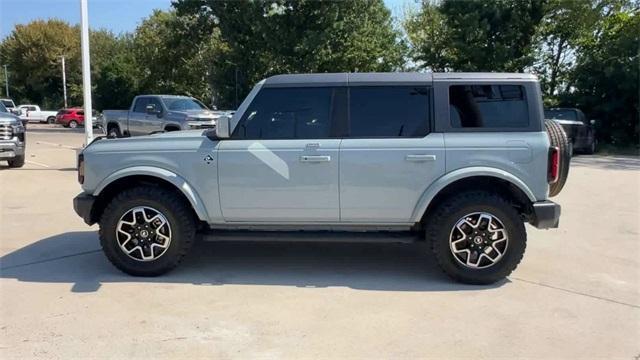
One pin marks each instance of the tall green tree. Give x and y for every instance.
(170, 59)
(474, 35)
(33, 54)
(262, 38)
(565, 26)
(605, 82)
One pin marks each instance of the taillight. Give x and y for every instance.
(553, 170)
(81, 169)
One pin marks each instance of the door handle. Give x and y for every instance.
(315, 158)
(420, 158)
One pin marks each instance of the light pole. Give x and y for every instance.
(6, 81)
(64, 83)
(86, 71)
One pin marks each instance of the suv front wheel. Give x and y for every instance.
(146, 231)
(476, 237)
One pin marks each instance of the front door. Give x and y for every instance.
(281, 163)
(137, 116)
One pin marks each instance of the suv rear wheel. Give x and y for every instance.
(476, 237)
(146, 231)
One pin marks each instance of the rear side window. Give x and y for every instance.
(288, 113)
(488, 106)
(389, 111)
(141, 105)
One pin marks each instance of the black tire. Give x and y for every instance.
(174, 208)
(591, 149)
(16, 162)
(113, 131)
(73, 124)
(558, 138)
(442, 220)
(51, 120)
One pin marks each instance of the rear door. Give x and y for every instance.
(390, 157)
(281, 164)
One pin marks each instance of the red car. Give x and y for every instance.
(71, 117)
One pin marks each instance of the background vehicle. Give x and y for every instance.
(34, 113)
(459, 160)
(73, 117)
(12, 138)
(154, 113)
(11, 106)
(580, 132)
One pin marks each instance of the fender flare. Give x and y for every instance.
(442, 182)
(176, 180)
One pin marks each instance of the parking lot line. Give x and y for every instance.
(36, 163)
(54, 144)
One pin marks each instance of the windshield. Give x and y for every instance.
(560, 114)
(8, 103)
(3, 108)
(176, 104)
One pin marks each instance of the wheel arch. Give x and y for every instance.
(491, 179)
(144, 175)
(172, 127)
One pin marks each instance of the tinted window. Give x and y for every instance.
(156, 102)
(141, 105)
(390, 111)
(488, 106)
(288, 113)
(183, 104)
(560, 115)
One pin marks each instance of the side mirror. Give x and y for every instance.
(223, 127)
(592, 121)
(151, 109)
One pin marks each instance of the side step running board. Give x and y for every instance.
(313, 236)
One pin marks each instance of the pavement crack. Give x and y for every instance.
(50, 259)
(576, 292)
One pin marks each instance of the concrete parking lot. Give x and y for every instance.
(576, 293)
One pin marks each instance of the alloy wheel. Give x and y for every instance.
(143, 233)
(478, 240)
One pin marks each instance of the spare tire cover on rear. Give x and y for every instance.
(558, 138)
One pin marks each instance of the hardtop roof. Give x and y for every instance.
(387, 78)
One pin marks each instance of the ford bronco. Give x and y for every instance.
(461, 161)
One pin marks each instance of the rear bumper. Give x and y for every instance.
(83, 206)
(546, 214)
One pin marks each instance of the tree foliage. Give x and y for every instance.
(474, 35)
(605, 81)
(262, 38)
(584, 52)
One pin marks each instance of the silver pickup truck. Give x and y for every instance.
(461, 161)
(157, 113)
(12, 138)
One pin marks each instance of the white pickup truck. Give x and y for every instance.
(34, 113)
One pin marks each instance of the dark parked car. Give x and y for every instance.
(579, 130)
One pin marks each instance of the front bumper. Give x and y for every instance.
(83, 206)
(546, 214)
(11, 148)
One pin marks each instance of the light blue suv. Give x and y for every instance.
(459, 160)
